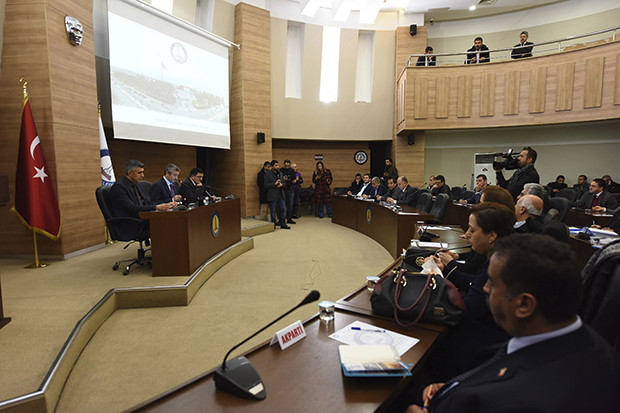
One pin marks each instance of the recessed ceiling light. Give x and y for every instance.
(472, 8)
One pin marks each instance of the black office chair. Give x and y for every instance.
(465, 195)
(439, 208)
(600, 305)
(424, 201)
(557, 230)
(456, 192)
(568, 193)
(562, 205)
(124, 229)
(145, 188)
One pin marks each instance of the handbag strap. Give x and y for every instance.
(399, 287)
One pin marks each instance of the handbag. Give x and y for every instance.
(414, 297)
(414, 258)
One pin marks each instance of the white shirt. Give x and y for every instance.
(362, 190)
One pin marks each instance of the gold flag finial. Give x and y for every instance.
(24, 86)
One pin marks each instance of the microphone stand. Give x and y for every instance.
(239, 377)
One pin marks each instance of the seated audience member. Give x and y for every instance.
(493, 193)
(523, 49)
(431, 182)
(537, 190)
(377, 189)
(167, 188)
(481, 183)
(597, 196)
(390, 170)
(440, 187)
(429, 59)
(477, 331)
(614, 223)
(192, 188)
(127, 198)
(553, 362)
(393, 190)
(366, 186)
(406, 195)
(611, 186)
(582, 186)
(527, 211)
(356, 185)
(479, 52)
(557, 185)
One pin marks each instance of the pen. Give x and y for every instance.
(425, 407)
(374, 330)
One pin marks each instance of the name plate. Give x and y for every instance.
(289, 335)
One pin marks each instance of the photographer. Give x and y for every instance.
(524, 174)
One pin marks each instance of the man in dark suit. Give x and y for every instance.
(406, 196)
(523, 49)
(553, 363)
(525, 173)
(440, 187)
(273, 184)
(192, 188)
(377, 189)
(393, 190)
(127, 198)
(528, 211)
(428, 60)
(479, 52)
(167, 188)
(597, 196)
(366, 186)
(582, 186)
(481, 183)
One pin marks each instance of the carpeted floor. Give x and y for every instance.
(139, 353)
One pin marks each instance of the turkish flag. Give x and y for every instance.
(35, 200)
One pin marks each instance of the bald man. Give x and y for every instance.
(527, 211)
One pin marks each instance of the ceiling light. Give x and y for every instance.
(472, 8)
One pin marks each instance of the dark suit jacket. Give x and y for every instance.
(531, 226)
(366, 191)
(484, 52)
(445, 189)
(160, 192)
(422, 61)
(124, 200)
(522, 176)
(606, 200)
(188, 191)
(381, 190)
(270, 185)
(406, 196)
(572, 373)
(521, 50)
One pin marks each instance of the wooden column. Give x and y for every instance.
(63, 97)
(409, 159)
(250, 108)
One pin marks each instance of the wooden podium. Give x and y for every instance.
(181, 241)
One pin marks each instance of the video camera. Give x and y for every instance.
(507, 163)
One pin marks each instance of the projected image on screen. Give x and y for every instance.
(165, 89)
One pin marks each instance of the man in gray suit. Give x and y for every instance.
(597, 196)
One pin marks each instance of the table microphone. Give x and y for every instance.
(238, 377)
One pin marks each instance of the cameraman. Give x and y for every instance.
(524, 174)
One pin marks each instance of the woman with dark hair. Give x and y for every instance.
(472, 340)
(322, 179)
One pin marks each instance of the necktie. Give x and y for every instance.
(172, 190)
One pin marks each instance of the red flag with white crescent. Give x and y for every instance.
(35, 200)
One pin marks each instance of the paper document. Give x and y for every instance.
(371, 361)
(362, 333)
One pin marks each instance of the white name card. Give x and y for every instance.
(289, 335)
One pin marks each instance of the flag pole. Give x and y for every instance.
(36, 263)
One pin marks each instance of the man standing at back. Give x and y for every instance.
(167, 188)
(554, 363)
(479, 52)
(288, 176)
(273, 184)
(523, 49)
(525, 173)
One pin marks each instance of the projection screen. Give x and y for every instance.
(169, 84)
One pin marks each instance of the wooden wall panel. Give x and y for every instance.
(617, 85)
(421, 98)
(487, 95)
(464, 95)
(409, 159)
(442, 103)
(538, 89)
(566, 83)
(337, 157)
(593, 97)
(400, 100)
(512, 87)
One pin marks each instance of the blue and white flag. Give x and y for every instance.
(107, 172)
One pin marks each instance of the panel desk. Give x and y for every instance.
(586, 218)
(181, 241)
(306, 377)
(392, 229)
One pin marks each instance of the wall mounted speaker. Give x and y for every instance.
(260, 137)
(411, 139)
(413, 29)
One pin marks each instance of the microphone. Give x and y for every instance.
(238, 377)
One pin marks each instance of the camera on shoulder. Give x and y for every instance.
(507, 161)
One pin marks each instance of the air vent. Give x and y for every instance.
(487, 2)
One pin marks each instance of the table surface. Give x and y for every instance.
(306, 377)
